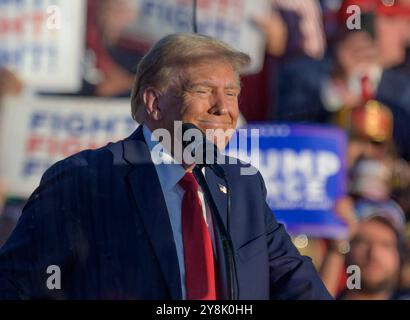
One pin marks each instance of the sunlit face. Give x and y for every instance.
(208, 98)
(374, 250)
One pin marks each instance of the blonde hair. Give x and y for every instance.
(163, 63)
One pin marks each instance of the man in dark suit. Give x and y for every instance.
(111, 224)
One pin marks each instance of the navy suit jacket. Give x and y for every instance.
(101, 217)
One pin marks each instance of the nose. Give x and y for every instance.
(219, 106)
(373, 251)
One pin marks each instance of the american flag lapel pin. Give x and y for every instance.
(222, 188)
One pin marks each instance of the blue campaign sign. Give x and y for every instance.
(304, 169)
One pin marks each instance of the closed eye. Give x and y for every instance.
(203, 91)
(231, 93)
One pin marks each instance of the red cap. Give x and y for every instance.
(379, 7)
(398, 8)
(364, 5)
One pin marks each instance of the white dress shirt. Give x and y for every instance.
(169, 174)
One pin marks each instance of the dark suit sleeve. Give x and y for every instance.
(292, 276)
(41, 237)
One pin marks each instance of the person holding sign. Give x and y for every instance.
(115, 223)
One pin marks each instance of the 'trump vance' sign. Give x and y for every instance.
(227, 20)
(304, 170)
(35, 133)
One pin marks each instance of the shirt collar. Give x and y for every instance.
(169, 172)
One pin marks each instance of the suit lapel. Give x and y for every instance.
(216, 186)
(149, 198)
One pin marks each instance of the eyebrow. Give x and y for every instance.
(210, 84)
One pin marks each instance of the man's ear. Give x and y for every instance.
(151, 101)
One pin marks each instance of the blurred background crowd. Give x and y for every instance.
(316, 70)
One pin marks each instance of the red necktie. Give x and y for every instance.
(198, 253)
(367, 88)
